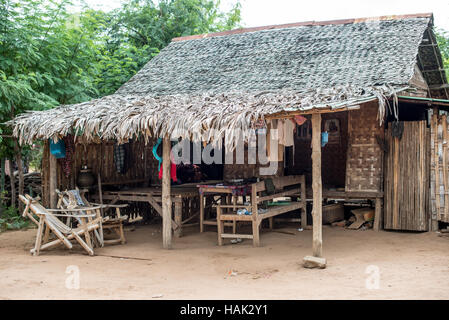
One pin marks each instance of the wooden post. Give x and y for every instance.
(316, 185)
(12, 182)
(166, 198)
(317, 246)
(53, 181)
(304, 203)
(201, 212)
(178, 217)
(378, 223)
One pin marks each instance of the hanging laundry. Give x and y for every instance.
(324, 138)
(252, 139)
(300, 120)
(273, 140)
(159, 159)
(280, 128)
(119, 157)
(172, 172)
(289, 128)
(172, 169)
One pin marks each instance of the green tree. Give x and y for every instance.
(138, 30)
(50, 56)
(443, 44)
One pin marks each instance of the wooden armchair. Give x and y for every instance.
(76, 199)
(288, 186)
(47, 221)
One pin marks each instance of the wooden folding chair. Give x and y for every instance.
(75, 199)
(47, 221)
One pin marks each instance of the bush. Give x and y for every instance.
(10, 219)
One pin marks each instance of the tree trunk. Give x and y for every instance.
(2, 183)
(12, 181)
(18, 153)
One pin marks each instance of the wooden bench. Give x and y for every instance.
(288, 186)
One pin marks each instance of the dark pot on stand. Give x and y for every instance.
(85, 178)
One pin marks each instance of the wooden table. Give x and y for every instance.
(229, 193)
(153, 195)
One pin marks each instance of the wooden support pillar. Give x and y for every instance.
(316, 185)
(53, 178)
(316, 261)
(166, 198)
(378, 215)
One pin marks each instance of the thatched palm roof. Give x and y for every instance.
(227, 81)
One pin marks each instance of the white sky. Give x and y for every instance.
(267, 12)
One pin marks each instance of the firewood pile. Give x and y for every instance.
(32, 185)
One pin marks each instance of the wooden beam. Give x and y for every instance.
(166, 199)
(439, 86)
(53, 177)
(291, 114)
(317, 186)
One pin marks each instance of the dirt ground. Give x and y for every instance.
(411, 266)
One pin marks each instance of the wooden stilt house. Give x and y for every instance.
(375, 85)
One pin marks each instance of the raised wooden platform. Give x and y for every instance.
(180, 195)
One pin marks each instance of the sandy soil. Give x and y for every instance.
(412, 266)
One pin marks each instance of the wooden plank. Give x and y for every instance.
(255, 218)
(237, 235)
(304, 203)
(220, 227)
(201, 212)
(445, 175)
(437, 165)
(317, 246)
(395, 170)
(406, 183)
(166, 199)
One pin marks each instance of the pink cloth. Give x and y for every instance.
(300, 120)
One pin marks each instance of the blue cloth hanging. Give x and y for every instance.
(159, 140)
(57, 149)
(324, 138)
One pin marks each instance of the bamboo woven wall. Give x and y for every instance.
(99, 158)
(364, 167)
(407, 178)
(439, 186)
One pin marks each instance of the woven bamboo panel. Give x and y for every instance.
(364, 167)
(439, 184)
(407, 178)
(99, 158)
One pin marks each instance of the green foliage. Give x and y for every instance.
(10, 219)
(137, 31)
(443, 44)
(50, 56)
